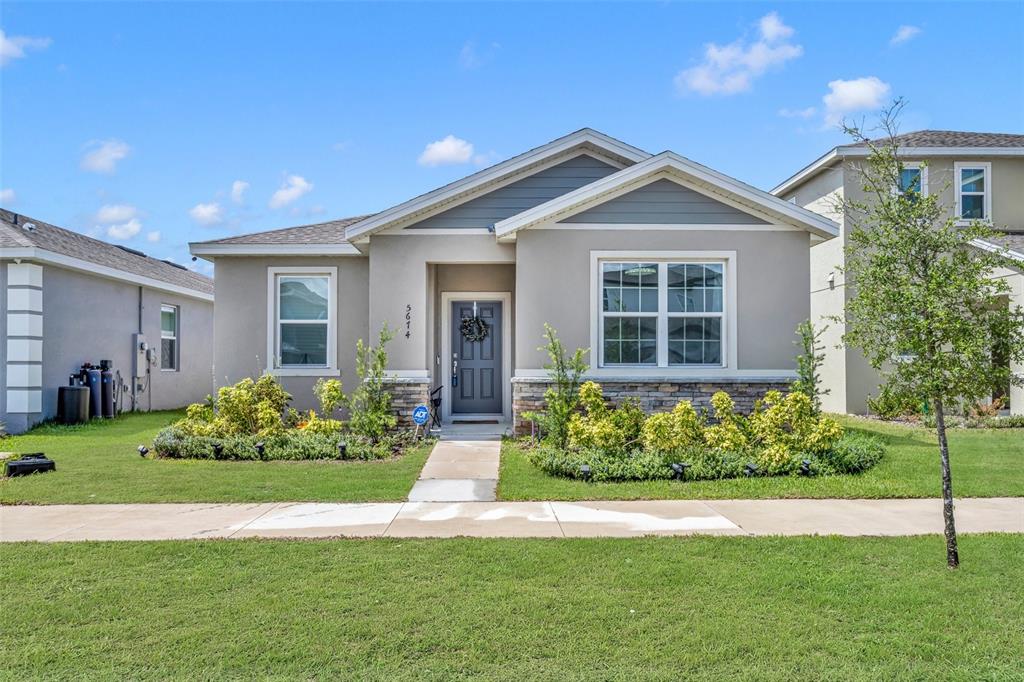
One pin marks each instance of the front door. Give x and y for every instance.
(476, 362)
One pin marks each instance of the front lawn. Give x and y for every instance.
(98, 463)
(651, 608)
(986, 463)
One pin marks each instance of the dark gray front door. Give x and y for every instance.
(476, 365)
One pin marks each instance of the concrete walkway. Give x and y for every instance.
(463, 466)
(505, 519)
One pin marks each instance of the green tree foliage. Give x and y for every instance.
(562, 398)
(808, 364)
(370, 403)
(925, 309)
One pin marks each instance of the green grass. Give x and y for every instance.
(652, 608)
(985, 463)
(98, 463)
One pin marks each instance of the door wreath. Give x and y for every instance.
(474, 329)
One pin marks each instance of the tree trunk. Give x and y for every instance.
(952, 555)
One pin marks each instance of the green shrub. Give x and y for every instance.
(247, 408)
(562, 398)
(672, 431)
(173, 442)
(893, 404)
(330, 395)
(603, 427)
(369, 404)
(852, 454)
(605, 465)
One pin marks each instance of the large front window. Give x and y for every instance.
(303, 319)
(662, 313)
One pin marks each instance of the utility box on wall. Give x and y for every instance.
(141, 363)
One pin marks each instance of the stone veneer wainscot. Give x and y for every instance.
(654, 396)
(406, 394)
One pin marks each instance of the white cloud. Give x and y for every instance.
(798, 113)
(471, 57)
(238, 188)
(13, 47)
(292, 188)
(730, 69)
(8, 196)
(124, 231)
(153, 237)
(903, 34)
(103, 155)
(116, 213)
(207, 214)
(846, 97)
(449, 150)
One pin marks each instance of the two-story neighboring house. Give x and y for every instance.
(980, 176)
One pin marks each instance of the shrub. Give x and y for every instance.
(729, 434)
(370, 403)
(784, 426)
(173, 442)
(851, 454)
(330, 395)
(562, 398)
(603, 427)
(247, 408)
(605, 465)
(808, 364)
(675, 430)
(894, 404)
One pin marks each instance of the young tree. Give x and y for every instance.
(924, 307)
(808, 364)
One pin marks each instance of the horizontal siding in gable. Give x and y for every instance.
(664, 202)
(507, 201)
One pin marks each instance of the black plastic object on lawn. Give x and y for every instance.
(29, 464)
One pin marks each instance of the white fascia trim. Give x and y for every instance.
(494, 173)
(701, 175)
(1004, 251)
(203, 250)
(861, 152)
(72, 263)
(738, 227)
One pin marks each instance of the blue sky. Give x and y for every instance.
(157, 124)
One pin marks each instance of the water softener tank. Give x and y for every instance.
(94, 379)
(107, 394)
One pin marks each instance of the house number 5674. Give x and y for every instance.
(408, 321)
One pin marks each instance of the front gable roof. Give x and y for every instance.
(674, 167)
(518, 167)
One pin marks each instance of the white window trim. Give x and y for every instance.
(177, 334)
(923, 167)
(987, 166)
(729, 364)
(273, 324)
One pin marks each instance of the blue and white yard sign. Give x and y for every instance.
(420, 415)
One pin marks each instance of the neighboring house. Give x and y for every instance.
(980, 177)
(71, 299)
(679, 279)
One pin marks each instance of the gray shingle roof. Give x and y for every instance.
(69, 243)
(955, 138)
(330, 232)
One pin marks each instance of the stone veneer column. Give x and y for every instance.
(406, 394)
(24, 359)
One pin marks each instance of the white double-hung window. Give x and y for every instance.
(973, 184)
(670, 313)
(303, 312)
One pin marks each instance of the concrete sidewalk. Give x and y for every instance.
(504, 519)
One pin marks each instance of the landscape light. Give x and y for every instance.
(342, 449)
(218, 449)
(585, 471)
(259, 448)
(679, 469)
(805, 467)
(143, 451)
(750, 469)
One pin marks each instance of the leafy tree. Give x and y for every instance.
(924, 307)
(808, 364)
(562, 398)
(370, 403)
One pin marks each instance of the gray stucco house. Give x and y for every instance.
(70, 299)
(679, 279)
(980, 177)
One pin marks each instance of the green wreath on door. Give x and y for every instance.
(474, 329)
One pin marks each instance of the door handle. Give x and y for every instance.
(455, 369)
